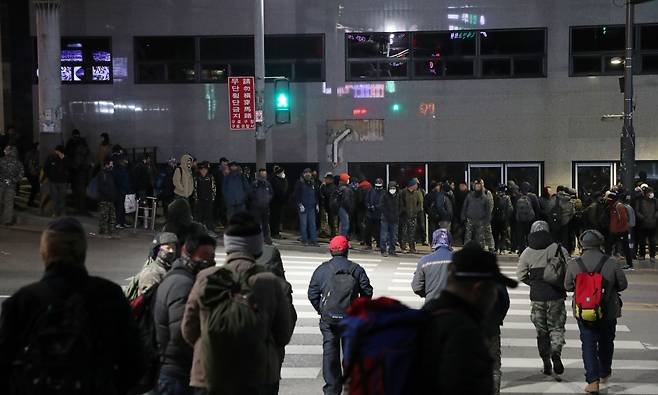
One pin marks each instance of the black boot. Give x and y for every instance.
(544, 347)
(557, 363)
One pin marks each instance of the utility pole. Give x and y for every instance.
(259, 58)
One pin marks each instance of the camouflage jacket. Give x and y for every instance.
(11, 169)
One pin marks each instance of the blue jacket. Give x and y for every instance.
(432, 273)
(236, 189)
(321, 276)
(121, 179)
(305, 194)
(373, 198)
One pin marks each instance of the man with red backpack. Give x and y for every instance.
(596, 279)
(619, 228)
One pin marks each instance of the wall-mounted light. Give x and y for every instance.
(616, 60)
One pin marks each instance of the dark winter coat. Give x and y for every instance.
(411, 202)
(478, 207)
(390, 206)
(168, 313)
(179, 221)
(533, 261)
(454, 358)
(280, 189)
(326, 190)
(167, 191)
(114, 331)
(121, 178)
(305, 194)
(236, 189)
(348, 198)
(646, 212)
(321, 276)
(443, 206)
(107, 189)
(55, 169)
(143, 177)
(261, 196)
(204, 188)
(372, 200)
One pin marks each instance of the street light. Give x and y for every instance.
(616, 60)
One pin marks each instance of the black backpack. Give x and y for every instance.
(335, 199)
(60, 357)
(338, 294)
(555, 216)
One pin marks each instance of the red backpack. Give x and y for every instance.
(618, 219)
(589, 293)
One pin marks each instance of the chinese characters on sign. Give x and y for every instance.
(241, 98)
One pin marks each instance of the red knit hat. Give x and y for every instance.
(338, 244)
(344, 177)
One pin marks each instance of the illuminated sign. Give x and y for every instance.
(359, 111)
(427, 108)
(362, 91)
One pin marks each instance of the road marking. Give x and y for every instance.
(402, 280)
(307, 330)
(299, 373)
(409, 263)
(618, 364)
(571, 343)
(307, 314)
(356, 259)
(314, 349)
(4, 296)
(576, 388)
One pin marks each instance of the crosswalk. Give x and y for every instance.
(635, 364)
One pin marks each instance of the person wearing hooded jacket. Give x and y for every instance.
(390, 207)
(236, 191)
(476, 213)
(431, 273)
(179, 222)
(373, 214)
(548, 312)
(162, 254)
(183, 178)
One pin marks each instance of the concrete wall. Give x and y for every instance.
(555, 120)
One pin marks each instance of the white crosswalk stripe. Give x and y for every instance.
(393, 279)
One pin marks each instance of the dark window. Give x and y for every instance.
(214, 72)
(377, 45)
(649, 37)
(597, 39)
(182, 72)
(294, 47)
(496, 67)
(446, 54)
(242, 69)
(509, 42)
(278, 70)
(307, 71)
(151, 72)
(650, 63)
(437, 45)
(226, 48)
(586, 65)
(532, 66)
(164, 48)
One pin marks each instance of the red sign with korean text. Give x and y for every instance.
(241, 103)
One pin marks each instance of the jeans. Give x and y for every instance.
(388, 236)
(169, 385)
(344, 219)
(598, 345)
(307, 228)
(331, 366)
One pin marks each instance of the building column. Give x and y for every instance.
(50, 85)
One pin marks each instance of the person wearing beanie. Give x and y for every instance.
(460, 351)
(198, 253)
(431, 273)
(411, 201)
(390, 206)
(325, 279)
(547, 311)
(280, 192)
(598, 338)
(306, 201)
(94, 302)
(179, 222)
(243, 242)
(161, 256)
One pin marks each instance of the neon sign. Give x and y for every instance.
(427, 109)
(362, 91)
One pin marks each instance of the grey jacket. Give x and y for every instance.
(168, 313)
(478, 208)
(613, 276)
(533, 261)
(431, 274)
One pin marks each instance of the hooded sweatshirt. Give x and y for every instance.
(532, 263)
(183, 178)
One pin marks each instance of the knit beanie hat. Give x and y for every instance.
(591, 239)
(244, 234)
(64, 241)
(539, 226)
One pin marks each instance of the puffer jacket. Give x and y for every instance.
(236, 188)
(533, 261)
(170, 299)
(431, 273)
(275, 311)
(646, 212)
(390, 206)
(183, 178)
(478, 207)
(567, 209)
(411, 203)
(11, 169)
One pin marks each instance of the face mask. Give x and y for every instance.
(391, 191)
(282, 175)
(651, 195)
(201, 265)
(166, 256)
(307, 177)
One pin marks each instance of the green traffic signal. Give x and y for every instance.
(282, 101)
(395, 107)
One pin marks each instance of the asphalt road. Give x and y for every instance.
(636, 356)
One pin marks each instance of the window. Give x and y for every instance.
(514, 53)
(593, 49)
(214, 59)
(84, 60)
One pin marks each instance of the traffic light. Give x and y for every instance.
(395, 107)
(282, 101)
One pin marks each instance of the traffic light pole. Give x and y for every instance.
(259, 68)
(628, 132)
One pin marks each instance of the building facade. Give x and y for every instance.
(437, 89)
